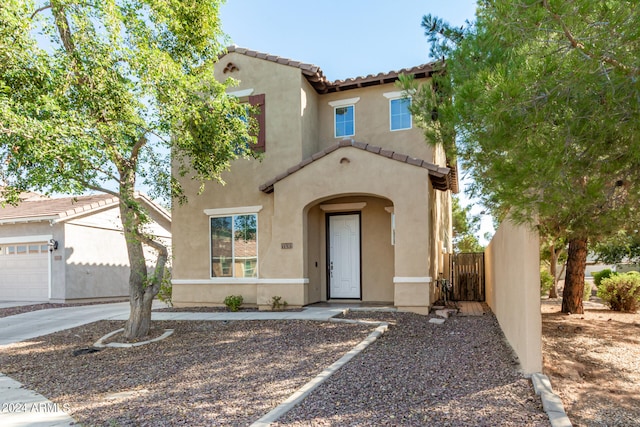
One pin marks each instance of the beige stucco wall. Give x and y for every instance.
(372, 122)
(97, 262)
(512, 274)
(299, 123)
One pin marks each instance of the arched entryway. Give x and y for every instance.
(350, 253)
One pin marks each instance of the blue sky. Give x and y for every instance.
(345, 38)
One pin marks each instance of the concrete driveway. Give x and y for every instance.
(43, 322)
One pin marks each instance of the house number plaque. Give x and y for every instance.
(286, 245)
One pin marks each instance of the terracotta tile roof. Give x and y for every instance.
(441, 177)
(55, 208)
(321, 84)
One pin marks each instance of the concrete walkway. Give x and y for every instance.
(23, 407)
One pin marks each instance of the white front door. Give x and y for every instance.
(344, 256)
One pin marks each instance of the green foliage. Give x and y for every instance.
(277, 304)
(546, 282)
(621, 292)
(233, 302)
(543, 99)
(623, 246)
(587, 291)
(100, 96)
(465, 227)
(166, 289)
(598, 276)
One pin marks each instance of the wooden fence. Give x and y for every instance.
(467, 271)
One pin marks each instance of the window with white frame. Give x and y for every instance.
(344, 117)
(344, 121)
(234, 245)
(400, 116)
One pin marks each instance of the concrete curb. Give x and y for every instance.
(24, 407)
(100, 343)
(306, 389)
(550, 401)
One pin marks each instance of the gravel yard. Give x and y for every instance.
(231, 373)
(460, 373)
(593, 362)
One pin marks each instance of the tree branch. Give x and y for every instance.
(582, 48)
(33, 15)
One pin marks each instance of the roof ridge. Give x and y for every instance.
(322, 84)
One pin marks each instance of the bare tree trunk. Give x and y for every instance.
(553, 292)
(574, 279)
(142, 287)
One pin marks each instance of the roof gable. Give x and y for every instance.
(321, 84)
(65, 208)
(441, 177)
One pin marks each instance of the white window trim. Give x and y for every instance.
(233, 211)
(222, 212)
(410, 115)
(344, 102)
(241, 93)
(425, 279)
(394, 95)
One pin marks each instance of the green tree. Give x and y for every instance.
(465, 227)
(95, 95)
(623, 246)
(544, 97)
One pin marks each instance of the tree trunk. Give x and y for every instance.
(574, 279)
(553, 292)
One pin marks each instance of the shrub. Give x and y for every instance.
(598, 276)
(233, 302)
(621, 291)
(546, 282)
(587, 291)
(277, 304)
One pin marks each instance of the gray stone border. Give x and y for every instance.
(300, 394)
(550, 401)
(100, 343)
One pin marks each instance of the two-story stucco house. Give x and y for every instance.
(349, 203)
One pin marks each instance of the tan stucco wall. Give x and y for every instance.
(372, 122)
(512, 274)
(97, 262)
(299, 122)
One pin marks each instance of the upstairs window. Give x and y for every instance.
(344, 117)
(400, 116)
(345, 123)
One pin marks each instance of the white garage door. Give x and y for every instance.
(24, 271)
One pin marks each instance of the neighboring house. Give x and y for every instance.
(349, 202)
(68, 249)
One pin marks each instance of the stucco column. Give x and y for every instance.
(282, 272)
(412, 248)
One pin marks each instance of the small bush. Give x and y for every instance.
(546, 282)
(233, 302)
(621, 291)
(598, 276)
(277, 304)
(586, 294)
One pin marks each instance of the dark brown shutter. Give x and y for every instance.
(258, 100)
